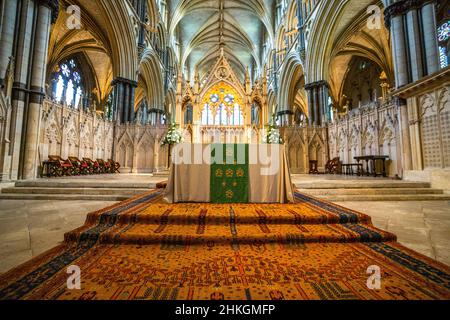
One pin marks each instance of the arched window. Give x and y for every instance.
(226, 113)
(443, 34)
(222, 107)
(68, 88)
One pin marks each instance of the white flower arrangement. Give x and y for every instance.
(173, 135)
(273, 136)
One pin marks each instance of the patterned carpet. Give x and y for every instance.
(145, 249)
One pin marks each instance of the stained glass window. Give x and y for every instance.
(443, 34)
(68, 88)
(222, 107)
(443, 58)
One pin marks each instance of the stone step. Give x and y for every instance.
(168, 234)
(161, 174)
(81, 191)
(386, 197)
(368, 184)
(371, 191)
(85, 184)
(21, 196)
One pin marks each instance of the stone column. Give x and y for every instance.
(415, 47)
(131, 103)
(20, 93)
(317, 105)
(405, 135)
(37, 90)
(126, 101)
(399, 51)
(118, 102)
(7, 36)
(301, 33)
(430, 37)
(156, 155)
(414, 130)
(310, 107)
(325, 96)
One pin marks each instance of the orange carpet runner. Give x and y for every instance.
(145, 249)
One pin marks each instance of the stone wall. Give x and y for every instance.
(65, 131)
(427, 140)
(138, 148)
(369, 130)
(431, 118)
(304, 144)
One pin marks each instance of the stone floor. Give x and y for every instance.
(28, 228)
(423, 226)
(128, 178)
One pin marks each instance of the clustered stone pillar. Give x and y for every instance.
(430, 36)
(413, 32)
(141, 9)
(23, 57)
(318, 113)
(285, 117)
(20, 93)
(7, 37)
(37, 93)
(301, 31)
(124, 94)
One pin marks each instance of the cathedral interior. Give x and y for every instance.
(339, 80)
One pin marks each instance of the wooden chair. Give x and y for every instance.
(94, 167)
(61, 167)
(114, 165)
(80, 166)
(334, 166)
(105, 166)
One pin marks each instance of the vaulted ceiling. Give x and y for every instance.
(202, 27)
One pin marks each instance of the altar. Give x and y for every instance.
(229, 173)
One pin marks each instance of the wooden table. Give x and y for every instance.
(371, 170)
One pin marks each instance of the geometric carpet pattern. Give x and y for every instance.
(143, 249)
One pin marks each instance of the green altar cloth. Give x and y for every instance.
(229, 182)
